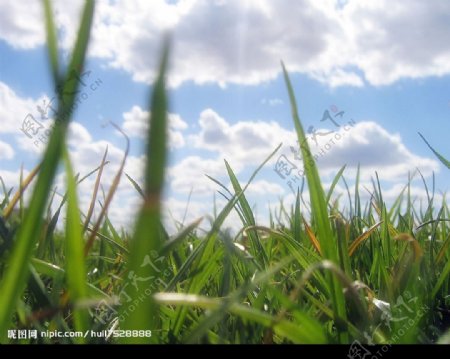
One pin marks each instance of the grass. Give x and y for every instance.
(318, 273)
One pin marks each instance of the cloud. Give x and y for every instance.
(366, 143)
(387, 47)
(338, 77)
(242, 41)
(373, 148)
(136, 125)
(265, 188)
(14, 109)
(22, 23)
(78, 134)
(272, 102)
(6, 151)
(190, 173)
(243, 143)
(11, 179)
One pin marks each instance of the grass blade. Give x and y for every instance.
(16, 275)
(441, 158)
(319, 211)
(75, 266)
(147, 236)
(52, 41)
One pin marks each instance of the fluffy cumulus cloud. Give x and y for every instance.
(21, 23)
(264, 188)
(370, 146)
(242, 41)
(136, 123)
(15, 112)
(365, 143)
(13, 109)
(6, 151)
(242, 143)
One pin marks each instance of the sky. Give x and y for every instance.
(368, 76)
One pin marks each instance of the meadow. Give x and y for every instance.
(319, 272)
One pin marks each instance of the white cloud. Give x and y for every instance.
(78, 134)
(272, 102)
(402, 39)
(14, 109)
(11, 178)
(243, 143)
(190, 173)
(6, 151)
(248, 143)
(374, 148)
(136, 125)
(265, 188)
(22, 23)
(338, 77)
(242, 41)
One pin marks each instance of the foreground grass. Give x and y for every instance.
(316, 274)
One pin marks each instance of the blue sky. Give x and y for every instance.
(385, 64)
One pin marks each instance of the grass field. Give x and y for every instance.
(329, 274)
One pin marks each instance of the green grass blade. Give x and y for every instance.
(147, 236)
(52, 41)
(53, 271)
(293, 332)
(16, 275)
(200, 255)
(318, 208)
(75, 266)
(334, 183)
(248, 217)
(136, 186)
(441, 158)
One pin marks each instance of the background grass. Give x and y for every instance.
(317, 273)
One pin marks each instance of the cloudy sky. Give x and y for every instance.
(369, 75)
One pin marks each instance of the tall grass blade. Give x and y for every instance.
(319, 213)
(16, 275)
(147, 237)
(75, 265)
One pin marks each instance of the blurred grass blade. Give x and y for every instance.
(15, 277)
(75, 266)
(312, 237)
(444, 276)
(285, 329)
(334, 183)
(52, 41)
(147, 237)
(96, 187)
(443, 250)
(417, 250)
(136, 186)
(53, 271)
(170, 245)
(9, 209)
